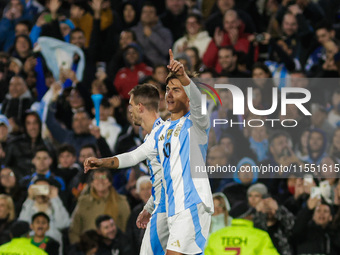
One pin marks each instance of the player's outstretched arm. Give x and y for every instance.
(124, 160)
(95, 163)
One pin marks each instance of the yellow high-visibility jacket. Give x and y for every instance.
(20, 246)
(241, 238)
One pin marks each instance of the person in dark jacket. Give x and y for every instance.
(143, 189)
(113, 240)
(312, 233)
(88, 244)
(23, 146)
(17, 101)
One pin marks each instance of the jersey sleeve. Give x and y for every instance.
(149, 206)
(203, 121)
(144, 151)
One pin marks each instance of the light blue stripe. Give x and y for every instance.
(190, 193)
(167, 172)
(156, 245)
(199, 238)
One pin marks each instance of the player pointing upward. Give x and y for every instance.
(180, 143)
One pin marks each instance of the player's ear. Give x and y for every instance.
(140, 107)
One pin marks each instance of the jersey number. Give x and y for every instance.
(237, 249)
(167, 150)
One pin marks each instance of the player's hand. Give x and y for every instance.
(175, 66)
(92, 163)
(143, 219)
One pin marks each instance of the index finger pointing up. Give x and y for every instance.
(171, 55)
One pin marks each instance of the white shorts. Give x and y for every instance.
(156, 235)
(189, 229)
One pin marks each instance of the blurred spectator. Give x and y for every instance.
(334, 114)
(155, 39)
(312, 232)
(319, 120)
(227, 60)
(221, 217)
(43, 197)
(80, 135)
(258, 140)
(102, 198)
(88, 244)
(310, 10)
(159, 73)
(129, 76)
(13, 13)
(195, 36)
(130, 15)
(117, 62)
(237, 190)
(24, 146)
(135, 235)
(42, 162)
(174, 17)
(219, 156)
(82, 18)
(9, 185)
(232, 35)
(5, 137)
(196, 63)
(241, 236)
(67, 167)
(277, 221)
(216, 18)
(40, 225)
(334, 149)
(324, 32)
(20, 244)
(262, 79)
(109, 129)
(17, 101)
(112, 239)
(7, 217)
(302, 146)
(256, 193)
(317, 146)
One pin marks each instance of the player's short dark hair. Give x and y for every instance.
(146, 94)
(67, 148)
(101, 218)
(42, 214)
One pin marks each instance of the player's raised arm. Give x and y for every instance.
(178, 68)
(192, 92)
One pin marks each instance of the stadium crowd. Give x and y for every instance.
(55, 54)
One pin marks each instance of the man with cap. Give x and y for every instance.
(241, 237)
(20, 244)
